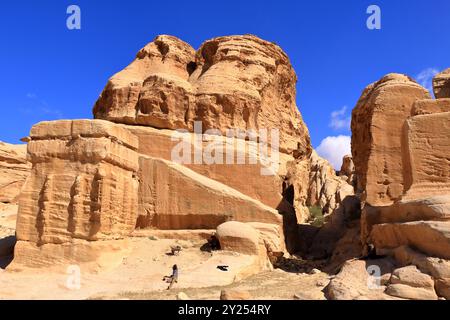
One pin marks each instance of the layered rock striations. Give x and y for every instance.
(158, 156)
(14, 170)
(239, 82)
(400, 147)
(377, 133)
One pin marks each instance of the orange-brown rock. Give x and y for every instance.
(245, 176)
(326, 189)
(230, 82)
(172, 196)
(436, 208)
(428, 106)
(431, 237)
(14, 170)
(377, 134)
(427, 162)
(441, 84)
(83, 185)
(238, 237)
(348, 169)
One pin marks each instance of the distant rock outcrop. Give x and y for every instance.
(14, 170)
(441, 84)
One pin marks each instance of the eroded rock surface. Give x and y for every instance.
(14, 170)
(83, 185)
(229, 82)
(377, 135)
(441, 84)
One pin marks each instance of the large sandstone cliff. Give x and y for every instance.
(97, 181)
(238, 82)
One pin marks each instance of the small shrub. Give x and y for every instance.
(316, 216)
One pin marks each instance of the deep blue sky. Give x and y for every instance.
(50, 72)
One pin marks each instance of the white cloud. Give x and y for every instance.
(334, 149)
(425, 77)
(40, 106)
(340, 120)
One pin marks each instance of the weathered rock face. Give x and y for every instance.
(427, 106)
(100, 180)
(238, 237)
(14, 170)
(441, 84)
(410, 283)
(426, 162)
(188, 200)
(83, 183)
(230, 82)
(264, 241)
(377, 133)
(404, 178)
(348, 170)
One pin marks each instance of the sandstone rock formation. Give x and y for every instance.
(238, 237)
(377, 131)
(348, 170)
(236, 82)
(400, 146)
(83, 186)
(230, 82)
(441, 84)
(142, 163)
(14, 170)
(410, 283)
(265, 241)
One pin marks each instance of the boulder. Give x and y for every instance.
(412, 277)
(409, 283)
(356, 280)
(443, 288)
(429, 237)
(14, 170)
(441, 84)
(238, 237)
(377, 135)
(412, 293)
(438, 268)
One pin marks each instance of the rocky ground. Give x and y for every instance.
(139, 275)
